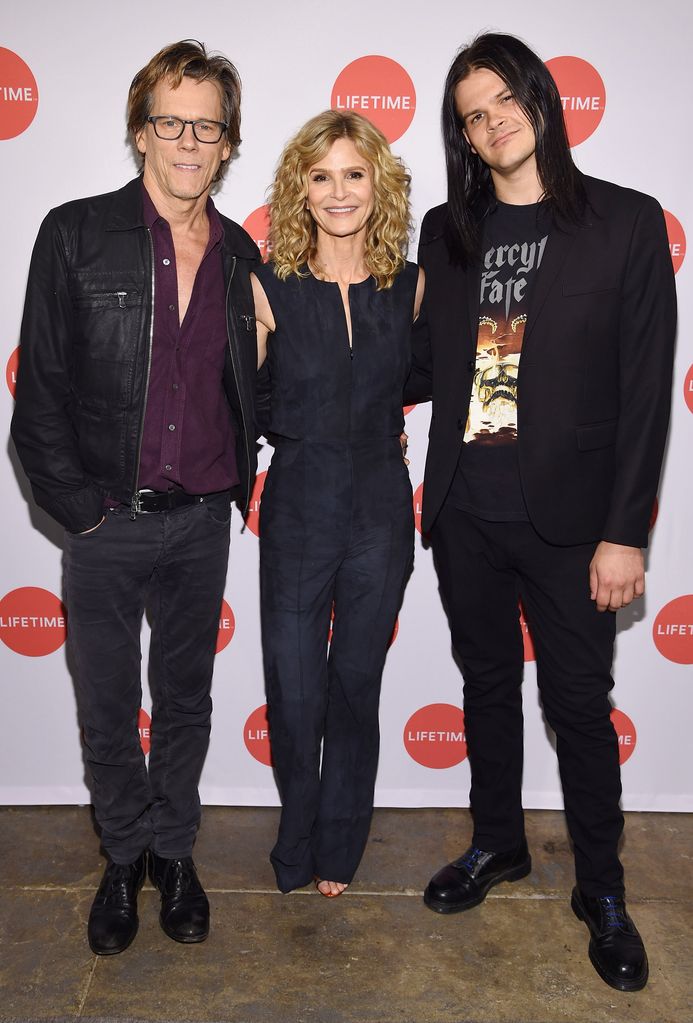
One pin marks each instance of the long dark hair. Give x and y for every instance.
(470, 188)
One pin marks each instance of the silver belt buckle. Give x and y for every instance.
(136, 504)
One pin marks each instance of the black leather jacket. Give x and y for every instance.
(86, 349)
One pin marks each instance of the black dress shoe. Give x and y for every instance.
(616, 949)
(465, 883)
(184, 907)
(113, 918)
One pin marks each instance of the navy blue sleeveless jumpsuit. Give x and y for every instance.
(336, 537)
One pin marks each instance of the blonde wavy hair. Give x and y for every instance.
(293, 233)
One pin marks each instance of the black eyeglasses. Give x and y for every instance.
(172, 128)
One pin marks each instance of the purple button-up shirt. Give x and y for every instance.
(188, 440)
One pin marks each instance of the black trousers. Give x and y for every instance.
(484, 569)
(173, 564)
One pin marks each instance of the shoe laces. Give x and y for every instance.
(614, 911)
(180, 876)
(120, 876)
(470, 859)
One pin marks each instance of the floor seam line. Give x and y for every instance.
(414, 893)
(90, 978)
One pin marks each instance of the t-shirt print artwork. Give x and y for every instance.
(507, 270)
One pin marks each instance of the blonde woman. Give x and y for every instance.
(334, 309)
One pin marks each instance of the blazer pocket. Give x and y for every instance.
(596, 435)
(588, 287)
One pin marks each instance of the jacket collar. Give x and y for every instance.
(237, 241)
(126, 214)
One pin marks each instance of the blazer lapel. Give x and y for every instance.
(473, 287)
(559, 244)
(461, 297)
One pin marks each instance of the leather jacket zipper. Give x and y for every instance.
(135, 501)
(229, 330)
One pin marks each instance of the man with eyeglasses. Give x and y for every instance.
(134, 423)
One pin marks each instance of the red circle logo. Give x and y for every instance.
(677, 240)
(434, 736)
(527, 643)
(18, 95)
(418, 506)
(256, 736)
(257, 224)
(688, 389)
(673, 630)
(32, 621)
(144, 727)
(253, 517)
(227, 626)
(625, 731)
(380, 89)
(11, 371)
(583, 96)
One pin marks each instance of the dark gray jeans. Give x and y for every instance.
(173, 564)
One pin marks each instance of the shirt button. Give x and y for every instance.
(166, 262)
(175, 387)
(171, 426)
(471, 365)
(168, 467)
(172, 308)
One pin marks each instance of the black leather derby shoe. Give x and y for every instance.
(184, 907)
(113, 918)
(616, 949)
(465, 883)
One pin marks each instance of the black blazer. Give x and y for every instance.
(594, 383)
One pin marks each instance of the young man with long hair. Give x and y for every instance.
(546, 342)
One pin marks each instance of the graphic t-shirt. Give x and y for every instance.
(487, 481)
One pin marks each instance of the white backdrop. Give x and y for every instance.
(82, 55)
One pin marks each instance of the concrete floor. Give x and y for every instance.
(375, 955)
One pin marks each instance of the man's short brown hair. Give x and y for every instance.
(187, 57)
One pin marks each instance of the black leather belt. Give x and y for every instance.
(146, 502)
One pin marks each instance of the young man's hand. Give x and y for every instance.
(617, 575)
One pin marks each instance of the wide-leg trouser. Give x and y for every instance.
(345, 546)
(485, 569)
(173, 564)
